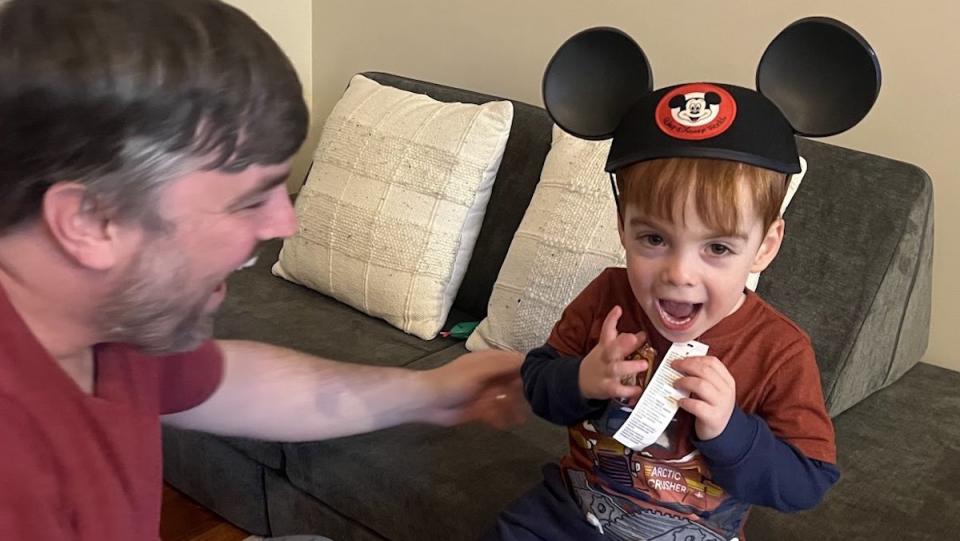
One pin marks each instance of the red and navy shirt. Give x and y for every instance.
(777, 450)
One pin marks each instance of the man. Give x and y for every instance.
(144, 146)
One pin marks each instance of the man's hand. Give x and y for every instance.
(480, 386)
(602, 370)
(713, 393)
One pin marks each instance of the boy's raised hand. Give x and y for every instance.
(603, 368)
(713, 393)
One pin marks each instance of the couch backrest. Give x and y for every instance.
(853, 272)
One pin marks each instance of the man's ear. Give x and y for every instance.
(769, 247)
(81, 228)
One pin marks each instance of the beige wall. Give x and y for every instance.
(289, 22)
(501, 47)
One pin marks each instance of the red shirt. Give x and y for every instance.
(88, 467)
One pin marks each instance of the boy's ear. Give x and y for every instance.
(79, 227)
(620, 230)
(769, 247)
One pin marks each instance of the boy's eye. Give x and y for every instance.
(719, 249)
(651, 239)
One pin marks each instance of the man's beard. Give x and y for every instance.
(152, 308)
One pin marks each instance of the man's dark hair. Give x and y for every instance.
(124, 95)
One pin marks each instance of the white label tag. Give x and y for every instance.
(249, 263)
(658, 403)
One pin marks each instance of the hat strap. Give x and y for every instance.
(616, 197)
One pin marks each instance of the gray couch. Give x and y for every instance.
(855, 272)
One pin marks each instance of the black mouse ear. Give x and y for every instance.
(592, 81)
(822, 74)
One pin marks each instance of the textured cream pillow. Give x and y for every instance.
(393, 204)
(566, 238)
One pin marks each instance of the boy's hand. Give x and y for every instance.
(713, 393)
(602, 369)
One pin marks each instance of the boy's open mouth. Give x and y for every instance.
(678, 316)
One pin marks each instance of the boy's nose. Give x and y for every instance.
(678, 272)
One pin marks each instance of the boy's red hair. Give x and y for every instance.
(660, 188)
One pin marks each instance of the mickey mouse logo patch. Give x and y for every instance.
(696, 111)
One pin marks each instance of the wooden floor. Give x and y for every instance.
(182, 519)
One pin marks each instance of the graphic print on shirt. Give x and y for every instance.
(661, 492)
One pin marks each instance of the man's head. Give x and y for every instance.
(148, 141)
(693, 230)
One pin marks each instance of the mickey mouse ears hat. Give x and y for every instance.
(818, 77)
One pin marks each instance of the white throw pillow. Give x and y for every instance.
(568, 235)
(391, 210)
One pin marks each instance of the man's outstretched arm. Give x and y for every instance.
(274, 393)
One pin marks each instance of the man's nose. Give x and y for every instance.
(281, 221)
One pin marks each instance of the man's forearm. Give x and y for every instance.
(275, 393)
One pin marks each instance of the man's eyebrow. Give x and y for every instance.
(263, 186)
(272, 182)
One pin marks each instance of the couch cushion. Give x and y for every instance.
(422, 482)
(294, 512)
(268, 453)
(519, 172)
(218, 476)
(393, 205)
(899, 456)
(262, 307)
(854, 268)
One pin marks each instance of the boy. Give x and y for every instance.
(699, 201)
